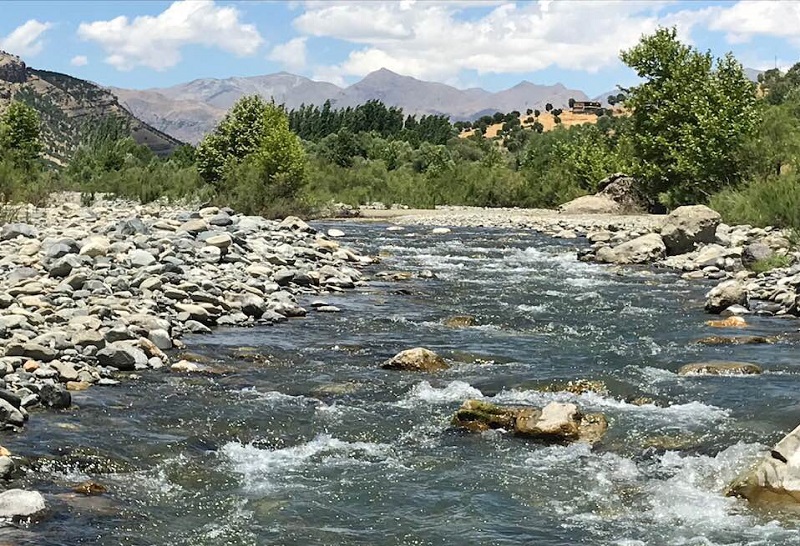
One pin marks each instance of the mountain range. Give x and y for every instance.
(68, 106)
(190, 110)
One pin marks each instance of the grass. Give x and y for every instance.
(768, 264)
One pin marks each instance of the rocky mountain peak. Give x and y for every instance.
(12, 69)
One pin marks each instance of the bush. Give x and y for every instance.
(774, 202)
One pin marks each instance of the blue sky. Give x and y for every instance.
(466, 43)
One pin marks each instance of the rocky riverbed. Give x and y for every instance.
(88, 294)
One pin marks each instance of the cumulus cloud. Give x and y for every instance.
(26, 39)
(438, 40)
(156, 42)
(291, 54)
(79, 60)
(747, 18)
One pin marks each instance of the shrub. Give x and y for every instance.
(774, 202)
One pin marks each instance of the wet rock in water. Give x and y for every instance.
(56, 397)
(645, 249)
(688, 226)
(720, 368)
(578, 386)
(90, 488)
(186, 366)
(734, 340)
(730, 322)
(17, 504)
(460, 321)
(418, 359)
(775, 479)
(725, 295)
(333, 232)
(555, 423)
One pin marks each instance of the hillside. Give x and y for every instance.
(568, 119)
(68, 105)
(188, 111)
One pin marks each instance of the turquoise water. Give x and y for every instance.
(316, 444)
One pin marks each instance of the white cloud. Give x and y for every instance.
(156, 42)
(79, 60)
(26, 39)
(291, 54)
(438, 40)
(747, 18)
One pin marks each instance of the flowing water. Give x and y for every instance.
(317, 445)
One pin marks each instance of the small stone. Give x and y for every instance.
(333, 232)
(185, 366)
(720, 368)
(77, 385)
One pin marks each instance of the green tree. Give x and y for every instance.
(690, 118)
(571, 102)
(252, 156)
(20, 133)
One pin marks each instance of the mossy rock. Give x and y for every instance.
(734, 340)
(720, 368)
(460, 321)
(577, 386)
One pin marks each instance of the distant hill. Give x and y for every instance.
(67, 105)
(189, 111)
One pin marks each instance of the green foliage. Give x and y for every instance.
(690, 118)
(20, 134)
(773, 202)
(252, 158)
(768, 264)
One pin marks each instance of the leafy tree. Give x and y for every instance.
(20, 133)
(528, 112)
(620, 98)
(536, 113)
(690, 118)
(612, 100)
(252, 156)
(571, 102)
(548, 107)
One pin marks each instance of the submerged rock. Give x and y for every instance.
(730, 322)
(577, 386)
(775, 478)
(734, 340)
(418, 359)
(720, 368)
(460, 321)
(555, 423)
(90, 488)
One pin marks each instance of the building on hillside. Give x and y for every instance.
(586, 107)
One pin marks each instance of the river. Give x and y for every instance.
(312, 443)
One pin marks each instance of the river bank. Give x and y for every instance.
(94, 295)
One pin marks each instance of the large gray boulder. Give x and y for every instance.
(756, 252)
(724, 295)
(122, 355)
(591, 204)
(626, 191)
(688, 226)
(645, 249)
(775, 478)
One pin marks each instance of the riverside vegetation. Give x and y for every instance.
(697, 133)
